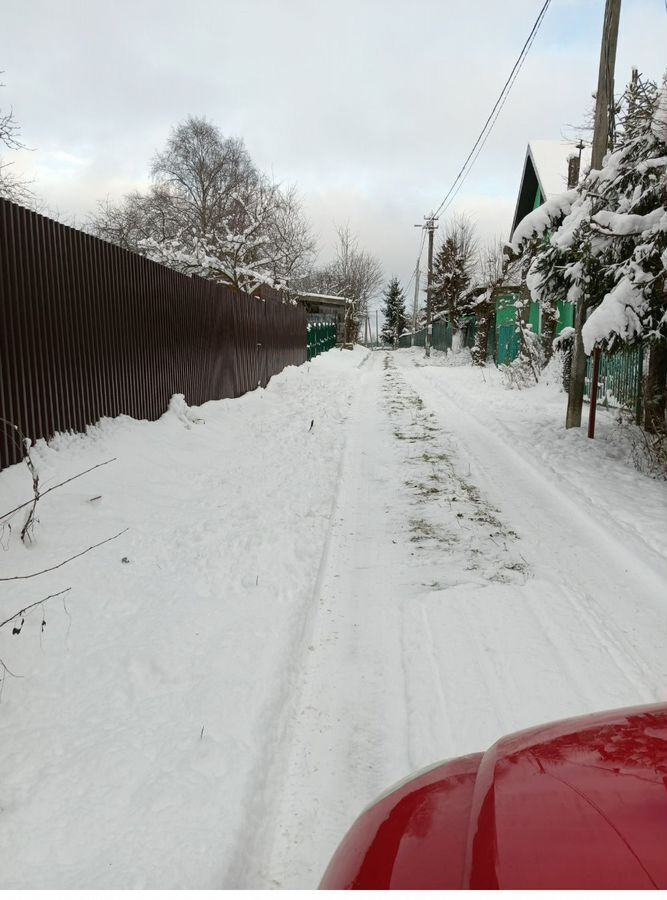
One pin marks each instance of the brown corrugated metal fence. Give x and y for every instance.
(90, 330)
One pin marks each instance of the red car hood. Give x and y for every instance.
(581, 803)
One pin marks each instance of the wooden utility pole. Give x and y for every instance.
(415, 304)
(430, 227)
(604, 109)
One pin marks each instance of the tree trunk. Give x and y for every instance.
(481, 348)
(577, 382)
(568, 352)
(655, 389)
(351, 325)
(549, 324)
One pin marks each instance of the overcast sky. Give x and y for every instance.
(369, 106)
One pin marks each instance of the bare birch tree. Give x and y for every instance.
(211, 212)
(13, 187)
(354, 274)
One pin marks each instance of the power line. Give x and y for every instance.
(499, 110)
(498, 105)
(419, 256)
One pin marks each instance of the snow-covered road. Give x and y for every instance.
(309, 612)
(464, 593)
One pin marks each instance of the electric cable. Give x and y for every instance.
(498, 105)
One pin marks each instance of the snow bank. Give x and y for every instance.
(137, 739)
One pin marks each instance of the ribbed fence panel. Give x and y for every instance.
(90, 330)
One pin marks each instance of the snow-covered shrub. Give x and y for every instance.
(525, 370)
(647, 452)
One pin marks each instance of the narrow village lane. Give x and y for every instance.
(462, 595)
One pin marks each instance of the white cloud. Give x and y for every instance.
(370, 105)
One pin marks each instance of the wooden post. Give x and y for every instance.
(415, 304)
(430, 225)
(594, 392)
(604, 101)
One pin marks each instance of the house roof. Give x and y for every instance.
(545, 167)
(550, 161)
(325, 297)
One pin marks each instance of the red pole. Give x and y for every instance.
(594, 392)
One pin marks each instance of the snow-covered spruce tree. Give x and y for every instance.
(395, 319)
(632, 225)
(604, 244)
(453, 274)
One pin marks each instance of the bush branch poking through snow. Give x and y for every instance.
(65, 561)
(20, 614)
(24, 443)
(27, 533)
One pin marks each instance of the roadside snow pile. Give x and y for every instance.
(136, 741)
(442, 358)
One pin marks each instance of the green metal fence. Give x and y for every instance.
(321, 337)
(406, 340)
(470, 332)
(441, 338)
(508, 343)
(620, 378)
(621, 373)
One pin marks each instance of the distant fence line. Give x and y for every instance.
(441, 338)
(621, 372)
(90, 330)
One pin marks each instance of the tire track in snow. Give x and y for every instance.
(549, 632)
(332, 753)
(624, 656)
(429, 733)
(585, 610)
(255, 834)
(405, 662)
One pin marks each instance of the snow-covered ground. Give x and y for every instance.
(299, 616)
